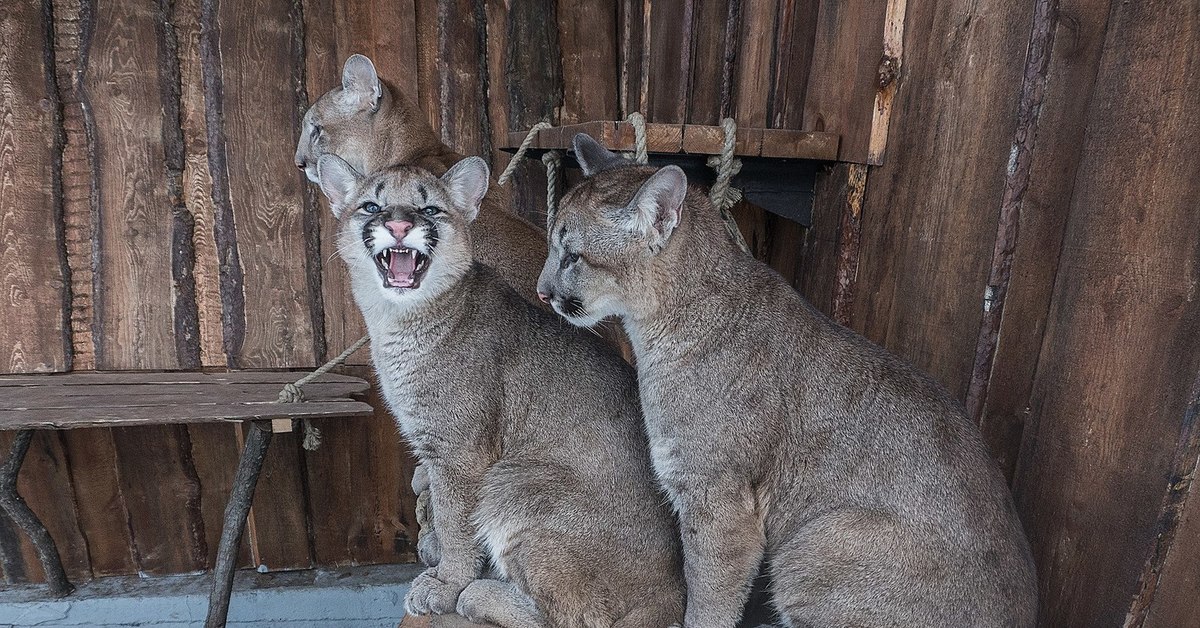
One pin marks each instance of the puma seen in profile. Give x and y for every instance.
(529, 430)
(777, 433)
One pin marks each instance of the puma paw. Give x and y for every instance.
(428, 594)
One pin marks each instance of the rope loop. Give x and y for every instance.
(640, 154)
(511, 168)
(722, 194)
(292, 392)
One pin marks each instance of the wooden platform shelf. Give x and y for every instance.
(129, 399)
(692, 139)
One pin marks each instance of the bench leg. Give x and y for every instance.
(19, 512)
(240, 497)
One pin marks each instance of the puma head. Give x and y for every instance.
(364, 121)
(608, 232)
(403, 232)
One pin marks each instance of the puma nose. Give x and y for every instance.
(544, 298)
(399, 228)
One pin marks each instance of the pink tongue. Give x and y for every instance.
(400, 269)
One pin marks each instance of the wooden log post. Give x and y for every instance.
(20, 513)
(244, 481)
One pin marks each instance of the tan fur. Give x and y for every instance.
(779, 434)
(529, 430)
(372, 132)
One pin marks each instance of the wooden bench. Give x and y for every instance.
(79, 400)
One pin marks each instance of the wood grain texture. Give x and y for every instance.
(819, 247)
(72, 33)
(465, 124)
(930, 212)
(1122, 311)
(754, 63)
(845, 68)
(135, 307)
(794, 43)
(1078, 40)
(100, 505)
(267, 193)
(215, 454)
(589, 61)
(631, 56)
(668, 47)
(708, 85)
(34, 336)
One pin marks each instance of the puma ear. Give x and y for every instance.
(338, 180)
(655, 209)
(467, 182)
(593, 157)
(361, 88)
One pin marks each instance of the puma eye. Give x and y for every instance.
(430, 210)
(370, 208)
(316, 131)
(570, 258)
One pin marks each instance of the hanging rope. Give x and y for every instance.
(640, 154)
(292, 393)
(553, 161)
(723, 195)
(521, 150)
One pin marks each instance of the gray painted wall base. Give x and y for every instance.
(356, 597)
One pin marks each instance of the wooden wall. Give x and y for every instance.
(1014, 211)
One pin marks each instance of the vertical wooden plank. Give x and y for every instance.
(279, 535)
(631, 56)
(708, 84)
(103, 516)
(162, 493)
(819, 248)
(428, 62)
(534, 84)
(587, 37)
(196, 183)
(463, 113)
(929, 215)
(134, 305)
(793, 62)
(1121, 350)
(143, 313)
(669, 38)
(845, 68)
(755, 62)
(267, 195)
(35, 336)
(71, 35)
(1077, 39)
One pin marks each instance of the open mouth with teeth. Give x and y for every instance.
(401, 267)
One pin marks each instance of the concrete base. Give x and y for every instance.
(357, 597)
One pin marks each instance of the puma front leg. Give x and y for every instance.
(453, 496)
(721, 528)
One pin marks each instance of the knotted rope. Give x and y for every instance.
(292, 393)
(722, 195)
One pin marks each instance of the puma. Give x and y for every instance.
(779, 434)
